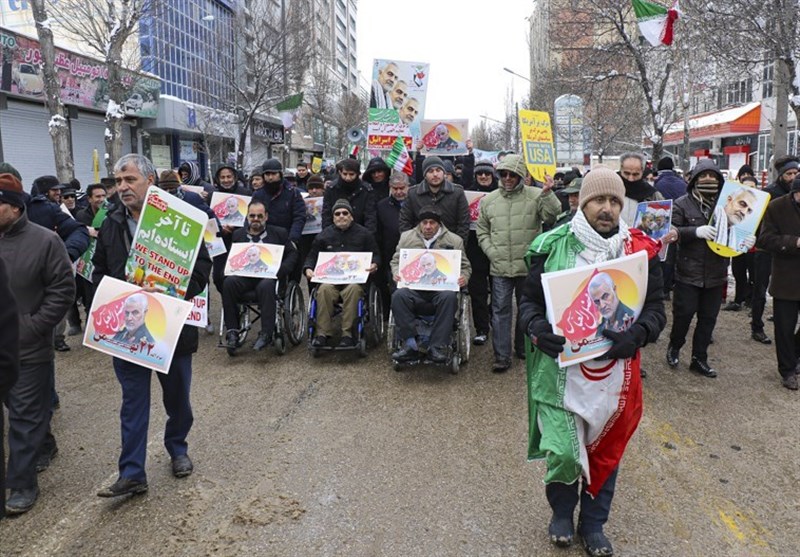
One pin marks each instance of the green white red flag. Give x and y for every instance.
(398, 158)
(655, 21)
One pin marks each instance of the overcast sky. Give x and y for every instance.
(467, 44)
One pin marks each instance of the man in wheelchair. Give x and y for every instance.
(237, 290)
(408, 304)
(342, 235)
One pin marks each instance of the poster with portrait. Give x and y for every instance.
(198, 316)
(474, 199)
(736, 217)
(444, 137)
(537, 143)
(585, 301)
(313, 215)
(654, 218)
(214, 243)
(342, 267)
(254, 259)
(136, 326)
(231, 209)
(166, 243)
(429, 269)
(402, 87)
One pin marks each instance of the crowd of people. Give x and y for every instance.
(523, 229)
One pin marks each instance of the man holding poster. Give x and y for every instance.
(134, 174)
(567, 426)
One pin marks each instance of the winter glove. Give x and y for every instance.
(545, 340)
(706, 232)
(625, 344)
(749, 242)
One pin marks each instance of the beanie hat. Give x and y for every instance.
(745, 169)
(666, 163)
(6, 168)
(601, 181)
(430, 163)
(514, 163)
(272, 165)
(11, 190)
(315, 180)
(169, 178)
(449, 168)
(342, 204)
(429, 212)
(791, 165)
(484, 165)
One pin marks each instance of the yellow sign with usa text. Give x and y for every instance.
(537, 143)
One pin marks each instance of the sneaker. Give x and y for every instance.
(480, 339)
(405, 354)
(320, 341)
(43, 460)
(596, 544)
(123, 486)
(760, 336)
(21, 500)
(182, 466)
(61, 346)
(732, 306)
(673, 355)
(561, 531)
(790, 382)
(702, 367)
(346, 342)
(501, 365)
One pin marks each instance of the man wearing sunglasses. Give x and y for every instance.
(510, 218)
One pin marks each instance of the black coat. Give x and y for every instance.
(780, 232)
(695, 263)
(361, 199)
(381, 188)
(113, 244)
(285, 209)
(449, 201)
(274, 235)
(45, 213)
(388, 227)
(9, 336)
(355, 238)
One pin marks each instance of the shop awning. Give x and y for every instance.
(741, 120)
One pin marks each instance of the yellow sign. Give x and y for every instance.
(96, 166)
(316, 164)
(537, 143)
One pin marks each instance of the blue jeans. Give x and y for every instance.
(135, 412)
(503, 288)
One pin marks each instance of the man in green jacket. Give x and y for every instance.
(510, 218)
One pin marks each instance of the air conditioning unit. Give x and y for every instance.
(716, 145)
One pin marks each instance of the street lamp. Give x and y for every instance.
(516, 108)
(512, 72)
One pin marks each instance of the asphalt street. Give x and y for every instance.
(339, 455)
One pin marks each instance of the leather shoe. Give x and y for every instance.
(123, 486)
(262, 342)
(790, 382)
(437, 355)
(673, 355)
(732, 306)
(231, 341)
(501, 365)
(61, 346)
(405, 354)
(346, 342)
(21, 500)
(480, 339)
(43, 460)
(182, 466)
(561, 531)
(702, 367)
(760, 336)
(320, 341)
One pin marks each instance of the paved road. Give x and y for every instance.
(344, 456)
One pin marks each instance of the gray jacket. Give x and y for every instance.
(42, 282)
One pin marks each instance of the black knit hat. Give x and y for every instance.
(484, 165)
(449, 168)
(272, 165)
(11, 191)
(429, 212)
(666, 163)
(431, 162)
(342, 204)
(315, 180)
(745, 169)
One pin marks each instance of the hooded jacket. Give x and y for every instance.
(285, 208)
(362, 200)
(195, 178)
(670, 185)
(449, 200)
(380, 189)
(42, 282)
(238, 187)
(696, 264)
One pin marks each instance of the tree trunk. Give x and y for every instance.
(59, 127)
(783, 88)
(115, 112)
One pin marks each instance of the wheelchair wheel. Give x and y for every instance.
(391, 332)
(279, 342)
(375, 327)
(362, 347)
(464, 343)
(294, 314)
(244, 325)
(455, 362)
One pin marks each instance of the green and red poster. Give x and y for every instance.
(166, 243)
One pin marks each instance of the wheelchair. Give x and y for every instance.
(290, 317)
(368, 330)
(459, 347)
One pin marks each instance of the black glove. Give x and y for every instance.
(625, 344)
(545, 340)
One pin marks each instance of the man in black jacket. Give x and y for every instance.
(342, 235)
(41, 280)
(235, 289)
(358, 194)
(377, 176)
(389, 230)
(9, 364)
(134, 174)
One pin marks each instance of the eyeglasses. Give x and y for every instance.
(341, 213)
(483, 173)
(506, 174)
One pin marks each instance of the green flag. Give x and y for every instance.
(290, 103)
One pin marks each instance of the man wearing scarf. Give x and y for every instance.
(700, 274)
(637, 189)
(358, 193)
(580, 442)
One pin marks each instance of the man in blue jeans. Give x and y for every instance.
(134, 174)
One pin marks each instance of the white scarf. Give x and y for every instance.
(429, 243)
(604, 248)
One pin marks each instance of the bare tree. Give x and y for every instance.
(104, 27)
(322, 96)
(351, 112)
(59, 130)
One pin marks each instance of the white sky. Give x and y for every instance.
(466, 43)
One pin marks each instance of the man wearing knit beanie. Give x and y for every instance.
(595, 234)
